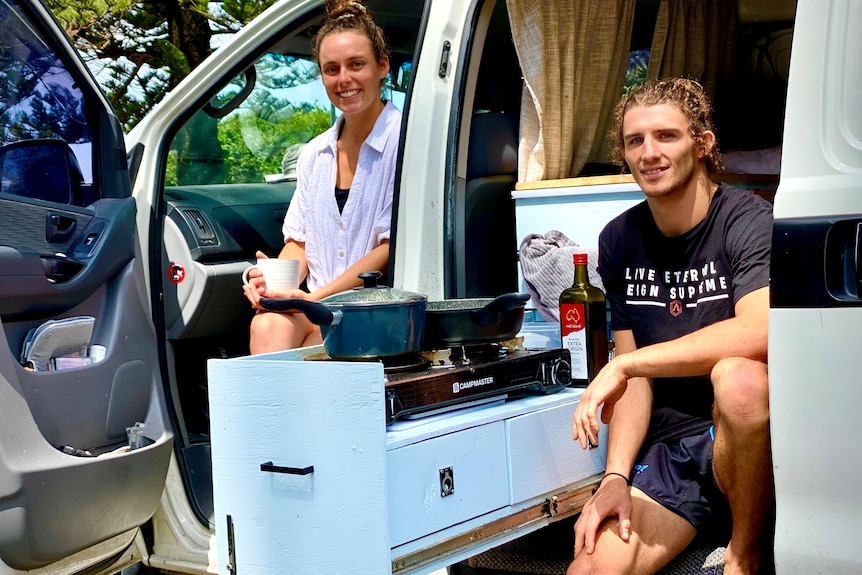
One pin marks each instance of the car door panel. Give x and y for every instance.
(31, 224)
(68, 481)
(88, 408)
(815, 321)
(36, 280)
(829, 245)
(55, 504)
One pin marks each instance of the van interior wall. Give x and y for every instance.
(750, 113)
(748, 116)
(490, 247)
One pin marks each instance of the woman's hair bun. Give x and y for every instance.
(344, 15)
(342, 9)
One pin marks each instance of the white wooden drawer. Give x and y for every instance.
(329, 415)
(477, 459)
(542, 455)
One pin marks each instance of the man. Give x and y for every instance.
(686, 397)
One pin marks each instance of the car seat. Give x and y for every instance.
(490, 246)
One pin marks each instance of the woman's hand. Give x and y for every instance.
(256, 288)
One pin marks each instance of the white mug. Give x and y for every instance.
(278, 274)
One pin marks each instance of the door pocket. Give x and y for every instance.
(62, 339)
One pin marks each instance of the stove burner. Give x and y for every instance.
(465, 354)
(404, 363)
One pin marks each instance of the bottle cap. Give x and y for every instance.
(580, 259)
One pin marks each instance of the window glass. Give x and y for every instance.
(243, 134)
(636, 71)
(42, 114)
(253, 129)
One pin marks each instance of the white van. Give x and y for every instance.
(134, 249)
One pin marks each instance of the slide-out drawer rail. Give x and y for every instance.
(552, 509)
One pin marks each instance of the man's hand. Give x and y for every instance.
(613, 498)
(605, 389)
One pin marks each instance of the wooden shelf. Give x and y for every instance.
(574, 182)
(751, 181)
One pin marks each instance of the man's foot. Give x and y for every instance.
(747, 563)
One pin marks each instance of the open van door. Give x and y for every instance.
(78, 351)
(816, 319)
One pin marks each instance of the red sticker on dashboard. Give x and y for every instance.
(176, 273)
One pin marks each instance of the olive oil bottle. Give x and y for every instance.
(584, 325)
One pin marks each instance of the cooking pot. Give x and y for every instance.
(368, 322)
(457, 322)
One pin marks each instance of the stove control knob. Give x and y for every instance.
(561, 373)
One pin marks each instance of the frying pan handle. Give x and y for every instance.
(317, 313)
(492, 313)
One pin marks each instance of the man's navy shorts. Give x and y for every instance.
(678, 474)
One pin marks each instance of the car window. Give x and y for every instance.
(242, 136)
(253, 129)
(45, 136)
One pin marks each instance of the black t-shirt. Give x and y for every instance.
(662, 288)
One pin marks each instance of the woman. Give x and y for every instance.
(338, 222)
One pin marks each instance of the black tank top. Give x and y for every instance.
(341, 197)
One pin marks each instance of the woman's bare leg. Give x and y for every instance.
(272, 331)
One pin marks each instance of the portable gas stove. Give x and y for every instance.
(437, 382)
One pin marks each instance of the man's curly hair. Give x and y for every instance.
(688, 96)
(343, 15)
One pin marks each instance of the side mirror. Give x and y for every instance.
(400, 71)
(41, 169)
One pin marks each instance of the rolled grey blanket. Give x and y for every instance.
(546, 262)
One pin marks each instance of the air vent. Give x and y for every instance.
(201, 226)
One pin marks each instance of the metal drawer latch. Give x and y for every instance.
(447, 482)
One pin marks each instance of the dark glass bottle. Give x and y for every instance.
(584, 325)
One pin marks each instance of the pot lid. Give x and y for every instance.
(371, 293)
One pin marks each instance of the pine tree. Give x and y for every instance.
(140, 50)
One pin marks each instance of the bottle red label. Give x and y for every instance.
(574, 336)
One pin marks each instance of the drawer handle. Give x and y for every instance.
(268, 466)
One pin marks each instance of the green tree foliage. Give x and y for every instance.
(251, 143)
(636, 73)
(245, 140)
(140, 50)
(275, 134)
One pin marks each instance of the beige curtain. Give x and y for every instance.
(573, 57)
(694, 39)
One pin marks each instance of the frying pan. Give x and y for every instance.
(457, 322)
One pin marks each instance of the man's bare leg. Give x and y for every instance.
(742, 457)
(658, 535)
